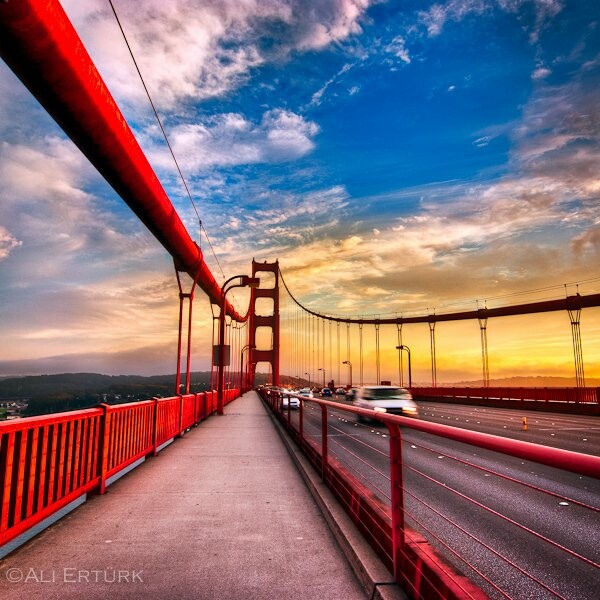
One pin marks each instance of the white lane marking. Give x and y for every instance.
(573, 429)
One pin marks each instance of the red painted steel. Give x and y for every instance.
(574, 395)
(167, 419)
(569, 400)
(577, 302)
(47, 462)
(271, 355)
(414, 562)
(39, 43)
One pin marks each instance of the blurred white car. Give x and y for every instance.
(386, 399)
(306, 392)
(291, 400)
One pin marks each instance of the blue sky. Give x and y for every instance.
(394, 156)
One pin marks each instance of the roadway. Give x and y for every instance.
(579, 433)
(462, 496)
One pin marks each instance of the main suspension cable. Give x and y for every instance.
(158, 119)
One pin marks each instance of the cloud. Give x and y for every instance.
(61, 227)
(588, 242)
(198, 49)
(7, 243)
(436, 17)
(559, 137)
(230, 139)
(541, 73)
(483, 141)
(318, 95)
(397, 47)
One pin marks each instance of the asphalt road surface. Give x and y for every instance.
(473, 503)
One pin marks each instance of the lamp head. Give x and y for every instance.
(251, 282)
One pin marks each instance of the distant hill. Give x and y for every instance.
(71, 391)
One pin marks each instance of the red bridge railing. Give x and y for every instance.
(49, 461)
(381, 487)
(576, 400)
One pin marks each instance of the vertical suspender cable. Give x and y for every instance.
(377, 355)
(400, 365)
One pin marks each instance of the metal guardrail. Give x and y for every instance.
(47, 462)
(571, 400)
(588, 395)
(402, 526)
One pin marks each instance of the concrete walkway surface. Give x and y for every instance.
(222, 513)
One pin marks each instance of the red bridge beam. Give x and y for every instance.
(41, 46)
(568, 303)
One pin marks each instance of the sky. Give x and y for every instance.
(396, 157)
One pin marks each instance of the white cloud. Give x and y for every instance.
(454, 10)
(230, 139)
(318, 95)
(397, 47)
(61, 228)
(483, 141)
(540, 73)
(197, 49)
(436, 17)
(7, 243)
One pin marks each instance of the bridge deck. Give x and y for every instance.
(221, 513)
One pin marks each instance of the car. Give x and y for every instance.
(352, 393)
(292, 401)
(386, 399)
(326, 392)
(306, 392)
(340, 391)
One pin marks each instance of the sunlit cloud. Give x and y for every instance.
(202, 49)
(97, 291)
(231, 139)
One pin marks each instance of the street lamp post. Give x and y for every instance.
(243, 378)
(245, 281)
(323, 376)
(403, 347)
(347, 362)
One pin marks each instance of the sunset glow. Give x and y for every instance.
(397, 158)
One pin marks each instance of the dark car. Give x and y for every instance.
(326, 392)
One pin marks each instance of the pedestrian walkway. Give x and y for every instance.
(222, 513)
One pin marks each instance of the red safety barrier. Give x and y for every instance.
(128, 435)
(45, 463)
(49, 461)
(568, 400)
(402, 525)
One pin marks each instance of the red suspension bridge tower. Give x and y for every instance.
(270, 355)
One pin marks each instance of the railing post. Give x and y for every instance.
(397, 483)
(180, 434)
(323, 441)
(301, 420)
(155, 428)
(104, 446)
